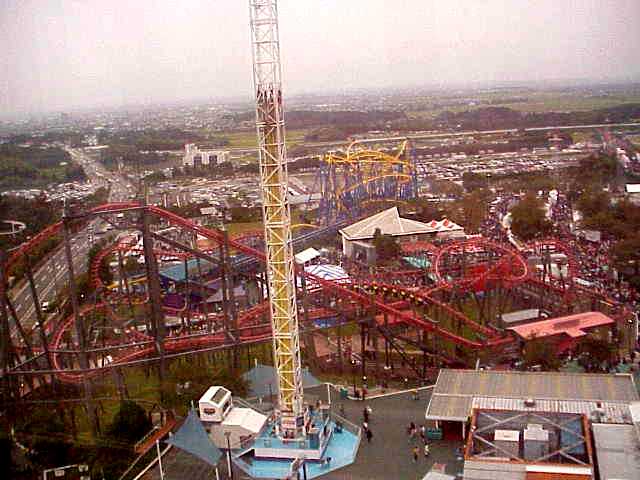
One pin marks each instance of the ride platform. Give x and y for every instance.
(331, 443)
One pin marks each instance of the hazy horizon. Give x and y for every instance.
(69, 55)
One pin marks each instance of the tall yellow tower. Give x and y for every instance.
(277, 218)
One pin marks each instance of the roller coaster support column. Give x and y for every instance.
(79, 326)
(153, 282)
(276, 214)
(124, 280)
(38, 310)
(309, 342)
(6, 348)
(228, 298)
(387, 365)
(363, 351)
(187, 295)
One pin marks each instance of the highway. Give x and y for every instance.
(52, 275)
(426, 136)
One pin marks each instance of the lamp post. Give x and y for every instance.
(229, 467)
(353, 371)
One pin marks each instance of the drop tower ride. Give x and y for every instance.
(267, 77)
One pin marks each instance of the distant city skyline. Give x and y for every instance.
(67, 55)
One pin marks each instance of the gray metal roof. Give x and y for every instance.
(391, 223)
(612, 412)
(618, 451)
(453, 394)
(521, 315)
(478, 470)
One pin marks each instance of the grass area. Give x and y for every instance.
(248, 139)
(536, 102)
(554, 102)
(635, 139)
(242, 227)
(581, 136)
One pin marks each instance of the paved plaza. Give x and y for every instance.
(387, 457)
(389, 454)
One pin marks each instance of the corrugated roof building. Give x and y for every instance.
(457, 391)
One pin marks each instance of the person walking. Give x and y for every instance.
(365, 414)
(411, 431)
(426, 450)
(423, 433)
(369, 435)
(415, 454)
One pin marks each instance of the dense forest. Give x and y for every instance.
(501, 117)
(26, 167)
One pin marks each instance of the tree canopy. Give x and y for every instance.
(130, 422)
(528, 219)
(186, 384)
(538, 352)
(386, 246)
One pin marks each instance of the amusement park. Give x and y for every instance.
(302, 346)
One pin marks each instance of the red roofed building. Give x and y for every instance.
(565, 331)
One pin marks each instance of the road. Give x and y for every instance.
(52, 275)
(426, 136)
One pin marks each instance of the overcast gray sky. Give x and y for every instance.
(58, 54)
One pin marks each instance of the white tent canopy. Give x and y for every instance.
(307, 255)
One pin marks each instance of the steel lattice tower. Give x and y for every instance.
(277, 218)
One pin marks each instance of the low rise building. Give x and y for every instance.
(199, 156)
(540, 425)
(458, 392)
(357, 239)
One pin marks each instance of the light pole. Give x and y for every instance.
(230, 469)
(353, 371)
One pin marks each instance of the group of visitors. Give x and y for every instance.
(413, 432)
(366, 415)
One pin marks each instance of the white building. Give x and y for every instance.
(357, 239)
(633, 192)
(197, 157)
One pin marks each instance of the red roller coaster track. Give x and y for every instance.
(253, 326)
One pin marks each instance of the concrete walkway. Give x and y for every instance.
(389, 455)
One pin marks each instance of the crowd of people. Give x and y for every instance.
(592, 253)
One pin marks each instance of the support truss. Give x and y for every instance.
(277, 218)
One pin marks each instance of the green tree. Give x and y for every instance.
(130, 422)
(186, 384)
(539, 352)
(594, 352)
(528, 219)
(386, 246)
(47, 435)
(473, 181)
(6, 461)
(626, 256)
